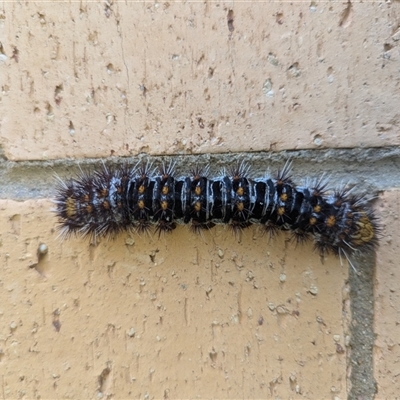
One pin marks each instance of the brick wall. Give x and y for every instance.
(183, 315)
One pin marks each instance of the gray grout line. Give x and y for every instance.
(360, 361)
(370, 170)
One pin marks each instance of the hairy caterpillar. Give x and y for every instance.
(110, 201)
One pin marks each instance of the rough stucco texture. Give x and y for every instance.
(111, 78)
(176, 317)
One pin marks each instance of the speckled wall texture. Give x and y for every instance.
(186, 316)
(100, 79)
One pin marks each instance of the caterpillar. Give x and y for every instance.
(110, 201)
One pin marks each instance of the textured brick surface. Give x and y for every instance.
(99, 79)
(188, 316)
(183, 316)
(387, 301)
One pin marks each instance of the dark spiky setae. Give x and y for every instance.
(111, 201)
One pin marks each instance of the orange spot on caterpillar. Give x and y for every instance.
(103, 192)
(312, 221)
(240, 191)
(365, 231)
(317, 208)
(240, 206)
(197, 206)
(330, 221)
(70, 207)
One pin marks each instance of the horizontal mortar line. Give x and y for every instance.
(369, 169)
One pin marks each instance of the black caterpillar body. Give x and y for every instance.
(111, 201)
